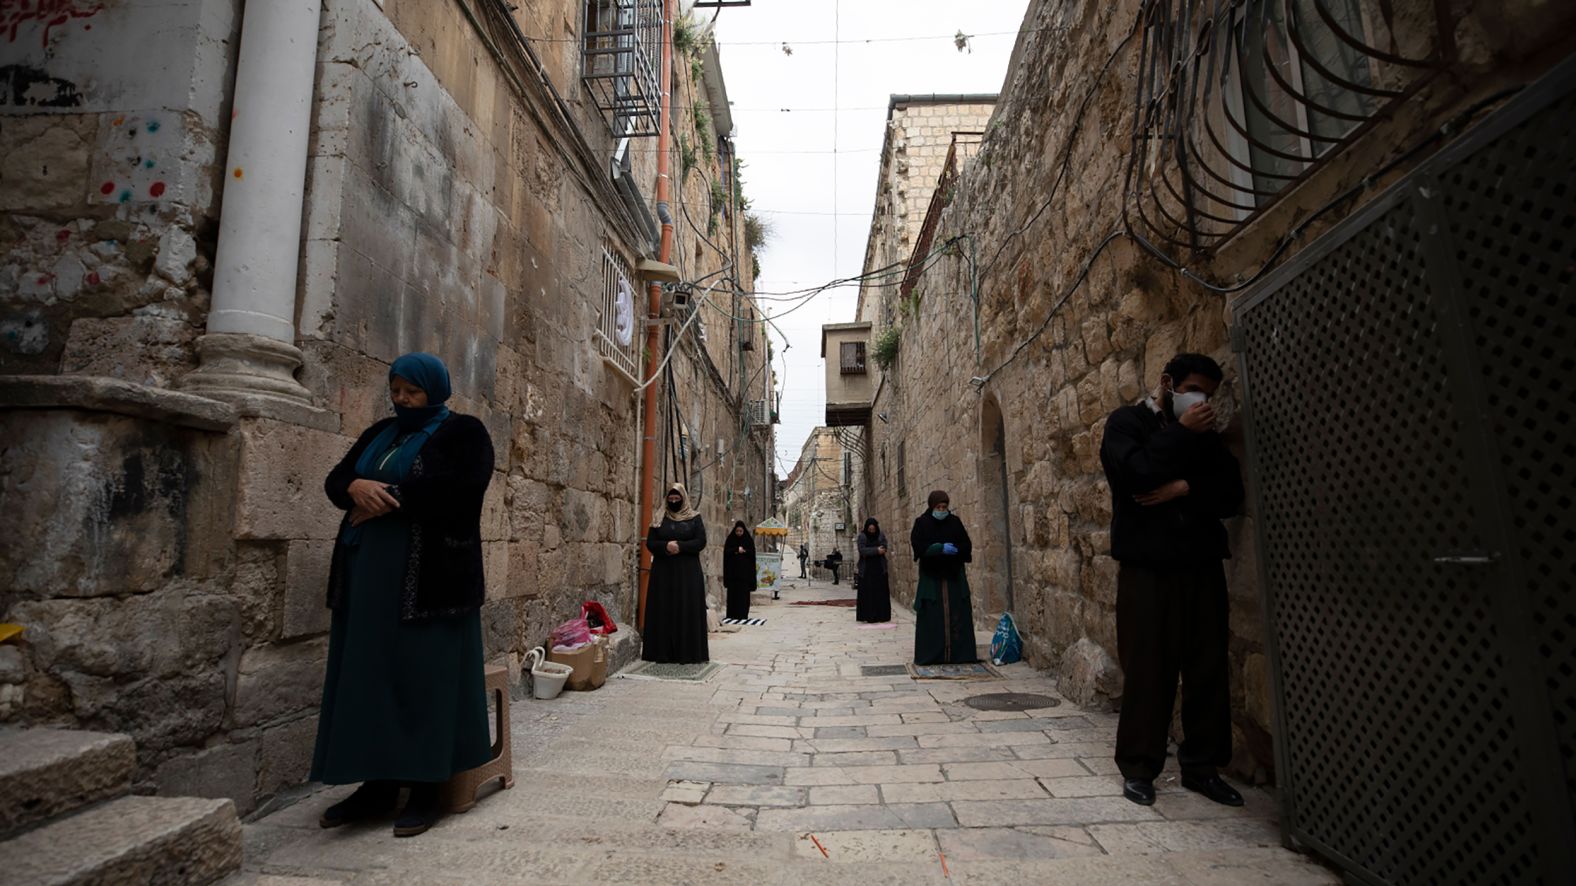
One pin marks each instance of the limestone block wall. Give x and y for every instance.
(171, 574)
(1104, 344)
(111, 138)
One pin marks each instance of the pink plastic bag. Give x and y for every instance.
(573, 632)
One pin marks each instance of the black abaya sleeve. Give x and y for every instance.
(656, 546)
(965, 546)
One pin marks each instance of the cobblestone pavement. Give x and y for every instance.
(791, 766)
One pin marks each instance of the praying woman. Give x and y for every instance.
(404, 703)
(943, 615)
(675, 628)
(738, 570)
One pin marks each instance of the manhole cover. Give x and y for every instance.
(884, 670)
(1011, 701)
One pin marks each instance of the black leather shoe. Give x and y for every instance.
(374, 799)
(422, 810)
(1139, 790)
(1213, 787)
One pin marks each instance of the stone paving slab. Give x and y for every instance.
(736, 781)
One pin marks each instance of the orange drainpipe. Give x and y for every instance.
(648, 439)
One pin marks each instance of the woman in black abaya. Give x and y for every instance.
(874, 597)
(943, 615)
(675, 629)
(738, 570)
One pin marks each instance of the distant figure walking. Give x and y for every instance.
(834, 561)
(804, 560)
(943, 614)
(738, 570)
(675, 628)
(403, 698)
(874, 597)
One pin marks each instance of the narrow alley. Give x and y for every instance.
(810, 737)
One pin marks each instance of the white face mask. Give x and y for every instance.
(1181, 403)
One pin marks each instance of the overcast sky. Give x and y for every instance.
(791, 173)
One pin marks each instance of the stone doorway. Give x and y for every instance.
(996, 505)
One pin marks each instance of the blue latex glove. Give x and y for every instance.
(949, 548)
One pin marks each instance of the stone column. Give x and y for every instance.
(248, 356)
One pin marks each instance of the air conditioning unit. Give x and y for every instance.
(760, 412)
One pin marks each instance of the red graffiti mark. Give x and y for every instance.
(93, 278)
(43, 279)
(63, 235)
(118, 120)
(238, 173)
(156, 189)
(16, 14)
(107, 188)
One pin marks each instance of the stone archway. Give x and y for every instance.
(996, 509)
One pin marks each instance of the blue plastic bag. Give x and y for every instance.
(1006, 646)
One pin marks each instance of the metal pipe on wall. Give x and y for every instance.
(648, 441)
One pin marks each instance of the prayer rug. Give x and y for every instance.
(744, 621)
(978, 670)
(847, 601)
(661, 670)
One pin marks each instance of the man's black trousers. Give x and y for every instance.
(1170, 623)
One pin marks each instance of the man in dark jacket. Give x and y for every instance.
(1172, 482)
(834, 561)
(804, 558)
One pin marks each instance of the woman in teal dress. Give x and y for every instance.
(403, 700)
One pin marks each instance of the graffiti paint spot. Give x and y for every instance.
(238, 173)
(156, 189)
(118, 121)
(43, 280)
(87, 27)
(125, 196)
(107, 188)
(148, 164)
(153, 126)
(62, 235)
(94, 279)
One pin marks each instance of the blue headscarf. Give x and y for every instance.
(412, 425)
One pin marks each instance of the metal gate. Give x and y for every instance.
(1410, 381)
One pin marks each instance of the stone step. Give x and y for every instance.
(46, 773)
(175, 841)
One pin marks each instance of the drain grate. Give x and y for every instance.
(884, 671)
(1011, 701)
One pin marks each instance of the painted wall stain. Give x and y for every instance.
(148, 164)
(238, 173)
(153, 126)
(107, 188)
(24, 86)
(157, 188)
(125, 196)
(94, 279)
(51, 14)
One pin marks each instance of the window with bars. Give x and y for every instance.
(615, 331)
(852, 357)
(621, 61)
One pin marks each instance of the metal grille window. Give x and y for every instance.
(852, 357)
(622, 53)
(615, 332)
(1241, 98)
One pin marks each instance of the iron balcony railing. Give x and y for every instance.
(1239, 99)
(622, 60)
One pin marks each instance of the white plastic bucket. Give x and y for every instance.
(547, 677)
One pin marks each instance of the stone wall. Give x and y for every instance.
(1089, 348)
(170, 569)
(111, 142)
(816, 499)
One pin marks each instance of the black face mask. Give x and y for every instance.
(675, 505)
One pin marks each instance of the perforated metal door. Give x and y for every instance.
(1410, 444)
